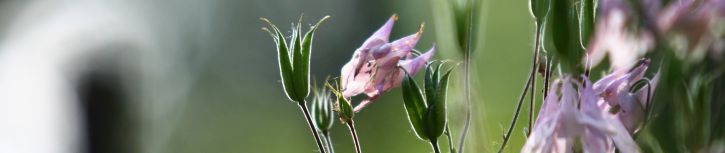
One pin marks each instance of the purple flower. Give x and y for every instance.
(615, 92)
(379, 65)
(613, 36)
(694, 28)
(568, 115)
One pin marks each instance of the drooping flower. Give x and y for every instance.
(615, 92)
(694, 28)
(379, 65)
(614, 37)
(569, 115)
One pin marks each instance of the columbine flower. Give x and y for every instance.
(615, 92)
(376, 66)
(694, 28)
(613, 36)
(568, 115)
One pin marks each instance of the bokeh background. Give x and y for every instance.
(216, 87)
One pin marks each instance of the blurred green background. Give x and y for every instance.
(238, 104)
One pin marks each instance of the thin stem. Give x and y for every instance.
(521, 98)
(647, 108)
(434, 144)
(532, 98)
(547, 75)
(355, 139)
(328, 139)
(312, 127)
(450, 141)
(516, 115)
(467, 78)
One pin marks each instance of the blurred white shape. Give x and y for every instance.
(42, 52)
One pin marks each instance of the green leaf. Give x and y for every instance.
(285, 66)
(415, 106)
(431, 82)
(586, 19)
(301, 63)
(437, 111)
(303, 49)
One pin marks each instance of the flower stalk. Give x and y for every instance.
(294, 66)
(529, 83)
(328, 140)
(353, 133)
(434, 144)
(312, 126)
(467, 79)
(450, 140)
(322, 112)
(345, 112)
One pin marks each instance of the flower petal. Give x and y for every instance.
(621, 137)
(383, 33)
(405, 45)
(415, 64)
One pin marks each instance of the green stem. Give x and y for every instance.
(434, 144)
(547, 74)
(521, 97)
(355, 139)
(534, 66)
(467, 78)
(450, 140)
(328, 139)
(312, 126)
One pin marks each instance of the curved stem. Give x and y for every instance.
(355, 139)
(521, 97)
(647, 109)
(532, 98)
(516, 115)
(312, 126)
(467, 78)
(328, 139)
(434, 144)
(450, 140)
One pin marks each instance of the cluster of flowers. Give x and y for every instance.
(605, 115)
(601, 115)
(693, 28)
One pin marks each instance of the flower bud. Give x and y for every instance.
(295, 70)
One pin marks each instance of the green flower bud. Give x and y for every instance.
(322, 109)
(294, 70)
(427, 110)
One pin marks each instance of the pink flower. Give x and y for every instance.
(694, 28)
(375, 67)
(568, 115)
(614, 37)
(614, 90)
